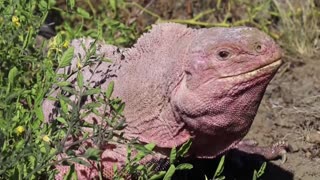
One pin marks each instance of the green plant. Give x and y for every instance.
(134, 166)
(258, 174)
(218, 173)
(305, 39)
(23, 82)
(28, 146)
(279, 19)
(227, 14)
(103, 22)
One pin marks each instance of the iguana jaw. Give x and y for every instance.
(255, 73)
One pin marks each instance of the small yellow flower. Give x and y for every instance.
(46, 138)
(16, 21)
(66, 44)
(20, 130)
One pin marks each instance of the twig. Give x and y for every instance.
(143, 9)
(199, 23)
(200, 15)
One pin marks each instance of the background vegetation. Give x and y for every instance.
(28, 63)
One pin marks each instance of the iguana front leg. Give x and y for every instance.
(273, 152)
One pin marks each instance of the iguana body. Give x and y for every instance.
(180, 83)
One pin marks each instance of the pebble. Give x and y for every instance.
(293, 148)
(313, 137)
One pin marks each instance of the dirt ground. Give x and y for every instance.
(290, 111)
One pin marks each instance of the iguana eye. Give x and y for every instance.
(224, 55)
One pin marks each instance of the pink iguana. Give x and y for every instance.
(180, 83)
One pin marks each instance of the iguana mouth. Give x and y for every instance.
(255, 73)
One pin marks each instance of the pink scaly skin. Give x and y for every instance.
(181, 83)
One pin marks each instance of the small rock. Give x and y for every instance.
(308, 154)
(313, 137)
(293, 148)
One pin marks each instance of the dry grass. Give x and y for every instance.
(299, 26)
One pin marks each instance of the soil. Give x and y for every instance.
(290, 111)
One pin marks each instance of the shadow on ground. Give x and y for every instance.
(238, 166)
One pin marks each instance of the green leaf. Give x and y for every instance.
(70, 153)
(69, 90)
(92, 154)
(220, 168)
(28, 38)
(71, 3)
(183, 150)
(64, 106)
(62, 120)
(12, 74)
(150, 146)
(83, 13)
(2, 139)
(184, 166)
(142, 151)
(113, 4)
(140, 167)
(262, 169)
(43, 5)
(32, 161)
(20, 144)
(63, 83)
(157, 176)
(121, 125)
(109, 90)
(92, 91)
(39, 97)
(170, 172)
(129, 153)
(91, 105)
(66, 58)
(115, 170)
(72, 174)
(81, 161)
(121, 107)
(66, 100)
(39, 113)
(173, 155)
(80, 79)
(254, 177)
(106, 60)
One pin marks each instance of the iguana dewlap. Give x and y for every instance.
(180, 83)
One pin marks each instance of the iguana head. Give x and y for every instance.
(226, 73)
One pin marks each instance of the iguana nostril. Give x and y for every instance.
(189, 75)
(258, 47)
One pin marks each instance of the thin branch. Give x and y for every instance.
(199, 23)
